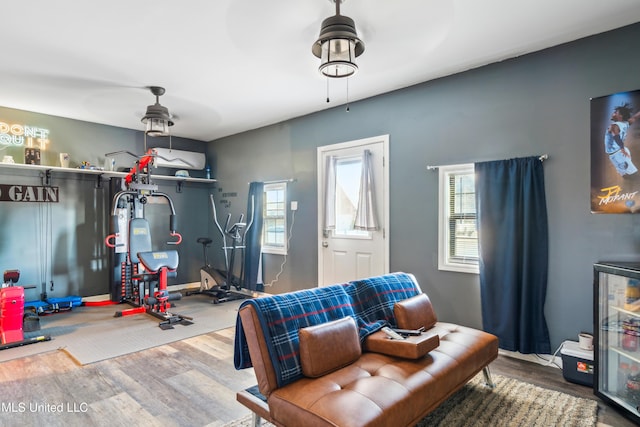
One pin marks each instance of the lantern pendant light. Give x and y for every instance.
(338, 45)
(157, 119)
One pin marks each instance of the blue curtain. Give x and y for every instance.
(513, 247)
(253, 239)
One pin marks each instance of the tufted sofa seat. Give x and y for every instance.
(373, 389)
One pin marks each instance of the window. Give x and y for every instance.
(348, 173)
(457, 232)
(274, 230)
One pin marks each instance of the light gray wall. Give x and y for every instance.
(531, 105)
(77, 261)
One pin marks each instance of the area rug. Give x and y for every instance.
(92, 334)
(511, 403)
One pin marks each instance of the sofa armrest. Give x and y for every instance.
(256, 404)
(264, 370)
(412, 347)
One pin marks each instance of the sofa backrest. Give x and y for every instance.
(275, 322)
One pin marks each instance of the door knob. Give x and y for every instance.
(325, 244)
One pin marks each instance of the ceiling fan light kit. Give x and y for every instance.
(157, 118)
(338, 45)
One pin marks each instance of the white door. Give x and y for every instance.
(347, 253)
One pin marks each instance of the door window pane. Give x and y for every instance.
(348, 172)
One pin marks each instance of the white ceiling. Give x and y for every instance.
(233, 65)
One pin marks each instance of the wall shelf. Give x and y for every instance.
(99, 173)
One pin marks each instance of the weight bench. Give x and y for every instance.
(153, 294)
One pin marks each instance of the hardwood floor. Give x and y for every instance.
(186, 383)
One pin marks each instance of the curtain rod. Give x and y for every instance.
(277, 181)
(542, 158)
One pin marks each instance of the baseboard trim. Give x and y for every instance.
(540, 359)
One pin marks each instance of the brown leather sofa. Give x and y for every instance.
(348, 381)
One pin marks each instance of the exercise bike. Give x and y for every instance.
(223, 286)
(209, 276)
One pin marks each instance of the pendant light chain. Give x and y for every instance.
(347, 94)
(328, 89)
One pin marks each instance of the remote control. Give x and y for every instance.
(392, 334)
(409, 331)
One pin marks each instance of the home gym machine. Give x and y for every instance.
(140, 274)
(224, 286)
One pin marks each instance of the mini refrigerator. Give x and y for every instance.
(617, 335)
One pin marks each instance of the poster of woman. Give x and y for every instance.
(615, 153)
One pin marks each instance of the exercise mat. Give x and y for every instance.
(90, 334)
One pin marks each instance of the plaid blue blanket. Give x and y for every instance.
(369, 301)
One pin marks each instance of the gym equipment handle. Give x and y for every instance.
(172, 223)
(107, 240)
(177, 242)
(114, 224)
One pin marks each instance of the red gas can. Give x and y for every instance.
(11, 314)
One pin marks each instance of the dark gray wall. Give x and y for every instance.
(80, 221)
(531, 105)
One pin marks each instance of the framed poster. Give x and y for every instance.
(615, 153)
(31, 156)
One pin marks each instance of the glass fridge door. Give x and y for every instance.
(618, 352)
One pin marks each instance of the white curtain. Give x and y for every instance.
(366, 211)
(330, 194)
